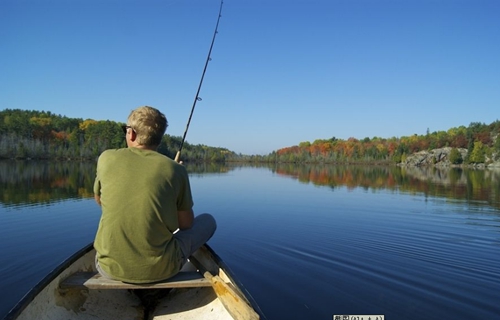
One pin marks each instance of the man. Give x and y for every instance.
(145, 197)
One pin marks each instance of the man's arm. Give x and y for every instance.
(185, 219)
(97, 199)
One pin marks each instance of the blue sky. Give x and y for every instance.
(282, 71)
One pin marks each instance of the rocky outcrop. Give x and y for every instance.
(438, 157)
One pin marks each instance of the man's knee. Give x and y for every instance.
(207, 220)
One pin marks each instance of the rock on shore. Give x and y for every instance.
(439, 157)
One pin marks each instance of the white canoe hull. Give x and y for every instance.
(48, 301)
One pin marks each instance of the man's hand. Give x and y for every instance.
(185, 219)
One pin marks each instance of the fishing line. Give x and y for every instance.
(197, 97)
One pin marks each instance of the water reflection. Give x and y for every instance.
(451, 183)
(44, 182)
(34, 182)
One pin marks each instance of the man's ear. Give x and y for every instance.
(133, 135)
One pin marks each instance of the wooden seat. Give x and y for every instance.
(93, 280)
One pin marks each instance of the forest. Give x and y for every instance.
(34, 134)
(480, 140)
(44, 135)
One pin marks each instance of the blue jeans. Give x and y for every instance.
(190, 240)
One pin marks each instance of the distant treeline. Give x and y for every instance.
(480, 140)
(44, 135)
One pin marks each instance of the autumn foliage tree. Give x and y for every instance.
(480, 139)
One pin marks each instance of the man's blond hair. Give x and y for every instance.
(149, 125)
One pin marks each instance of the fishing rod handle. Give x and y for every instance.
(177, 156)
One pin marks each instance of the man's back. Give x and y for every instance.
(140, 193)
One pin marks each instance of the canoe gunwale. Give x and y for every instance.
(238, 286)
(30, 295)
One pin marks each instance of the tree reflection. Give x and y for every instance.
(28, 182)
(37, 182)
(454, 183)
(33, 182)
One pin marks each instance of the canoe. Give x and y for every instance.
(205, 288)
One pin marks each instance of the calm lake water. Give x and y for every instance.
(308, 242)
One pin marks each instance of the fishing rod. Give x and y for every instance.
(197, 98)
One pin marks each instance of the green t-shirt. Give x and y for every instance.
(141, 192)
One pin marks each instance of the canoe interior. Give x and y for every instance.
(48, 301)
